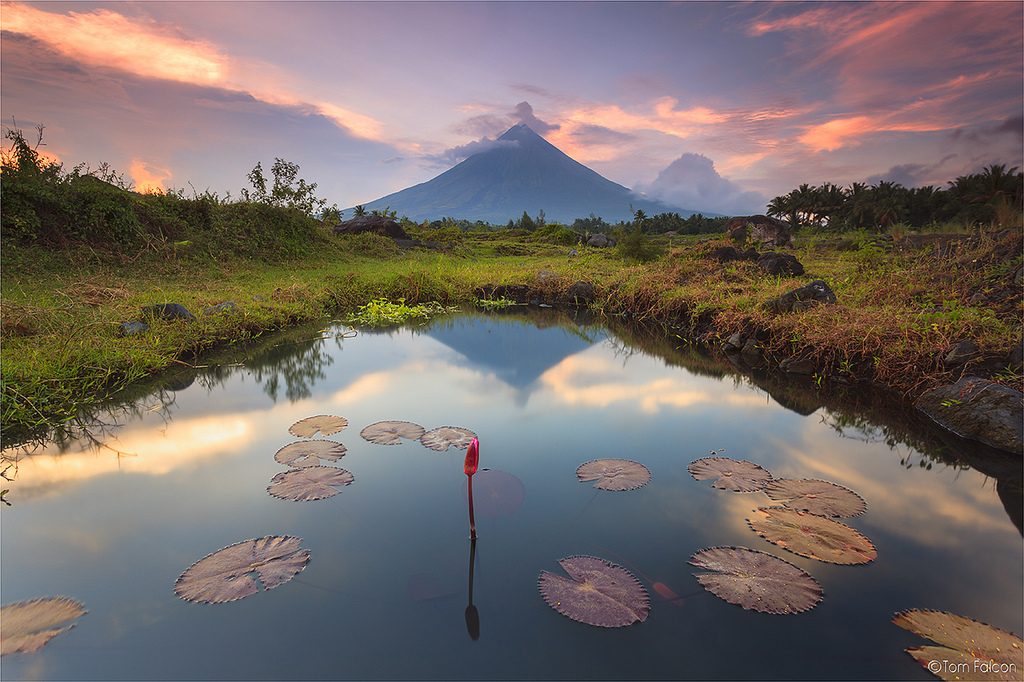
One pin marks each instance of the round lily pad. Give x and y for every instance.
(391, 432)
(309, 483)
(987, 652)
(755, 580)
(597, 592)
(308, 453)
(737, 475)
(444, 437)
(614, 474)
(817, 497)
(326, 424)
(26, 626)
(812, 536)
(228, 574)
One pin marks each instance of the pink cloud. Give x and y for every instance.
(103, 38)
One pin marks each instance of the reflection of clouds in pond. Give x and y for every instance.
(156, 447)
(153, 451)
(905, 504)
(593, 379)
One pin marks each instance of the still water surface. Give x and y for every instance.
(384, 595)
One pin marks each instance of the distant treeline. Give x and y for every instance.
(991, 197)
(592, 224)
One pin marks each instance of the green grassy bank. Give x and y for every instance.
(898, 312)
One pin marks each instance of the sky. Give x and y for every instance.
(712, 106)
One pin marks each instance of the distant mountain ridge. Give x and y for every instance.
(521, 172)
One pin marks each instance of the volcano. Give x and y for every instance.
(521, 172)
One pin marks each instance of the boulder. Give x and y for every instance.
(782, 264)
(760, 230)
(600, 240)
(802, 298)
(225, 307)
(581, 294)
(960, 353)
(132, 328)
(372, 223)
(168, 311)
(799, 365)
(978, 409)
(735, 342)
(547, 277)
(724, 254)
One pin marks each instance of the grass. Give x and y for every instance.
(898, 312)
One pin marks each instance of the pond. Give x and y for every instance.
(181, 470)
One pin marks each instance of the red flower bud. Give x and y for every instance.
(472, 457)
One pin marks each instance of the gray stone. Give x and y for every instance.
(573, 253)
(168, 311)
(960, 353)
(735, 342)
(132, 328)
(581, 294)
(761, 230)
(225, 307)
(978, 409)
(546, 276)
(802, 298)
(600, 240)
(780, 264)
(798, 365)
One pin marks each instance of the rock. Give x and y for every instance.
(132, 328)
(725, 254)
(960, 353)
(799, 365)
(600, 240)
(581, 294)
(372, 223)
(547, 277)
(780, 264)
(760, 229)
(978, 409)
(802, 298)
(168, 311)
(225, 307)
(735, 342)
(750, 348)
(573, 253)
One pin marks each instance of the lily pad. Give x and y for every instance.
(614, 474)
(496, 493)
(326, 424)
(737, 475)
(812, 536)
(308, 453)
(985, 652)
(597, 592)
(755, 580)
(238, 570)
(391, 432)
(26, 626)
(444, 437)
(309, 483)
(817, 497)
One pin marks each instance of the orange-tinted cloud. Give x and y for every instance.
(103, 38)
(147, 177)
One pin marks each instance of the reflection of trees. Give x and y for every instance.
(294, 360)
